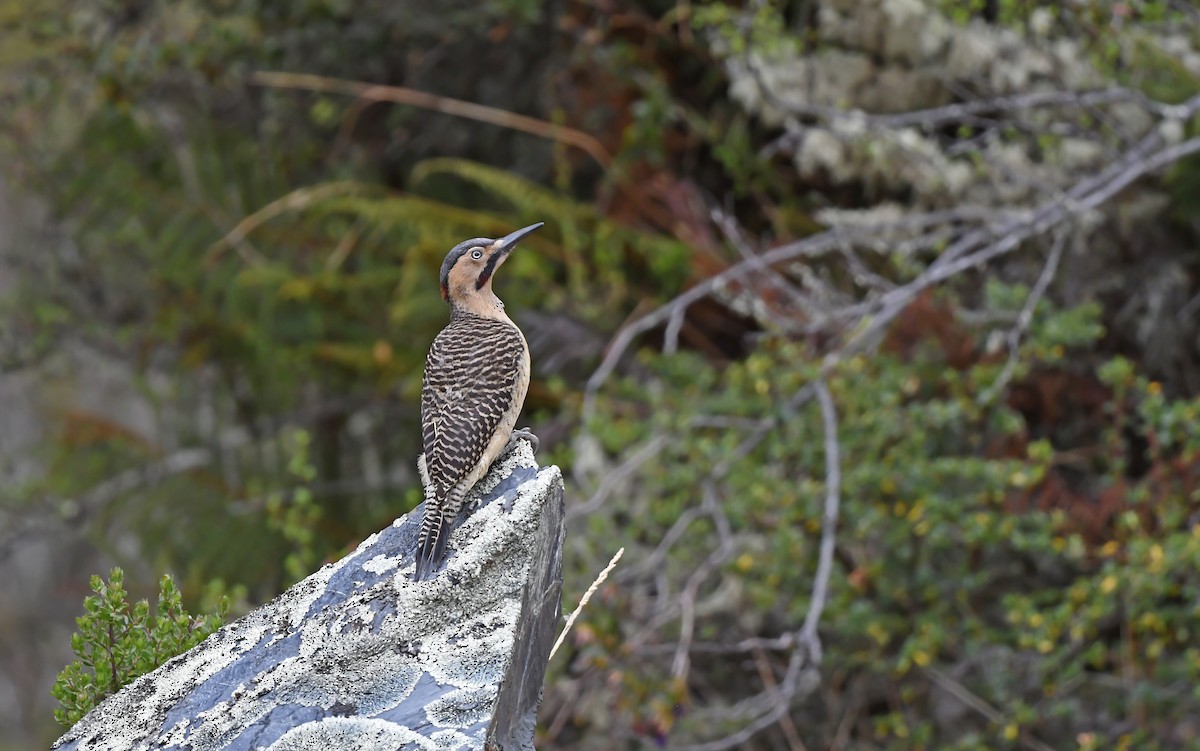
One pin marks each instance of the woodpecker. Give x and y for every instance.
(476, 377)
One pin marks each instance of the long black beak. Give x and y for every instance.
(509, 241)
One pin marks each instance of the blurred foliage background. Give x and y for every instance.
(217, 288)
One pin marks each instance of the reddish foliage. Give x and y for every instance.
(929, 317)
(658, 200)
(1074, 410)
(1088, 514)
(83, 429)
(1049, 398)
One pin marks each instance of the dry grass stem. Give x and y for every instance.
(586, 596)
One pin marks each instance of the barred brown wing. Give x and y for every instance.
(470, 378)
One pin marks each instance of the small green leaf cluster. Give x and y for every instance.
(737, 31)
(293, 513)
(116, 643)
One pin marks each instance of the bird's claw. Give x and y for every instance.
(527, 434)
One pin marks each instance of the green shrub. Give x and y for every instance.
(1001, 575)
(116, 643)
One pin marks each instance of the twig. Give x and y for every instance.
(445, 105)
(970, 699)
(687, 598)
(344, 248)
(293, 201)
(1025, 318)
(785, 722)
(936, 117)
(572, 690)
(613, 478)
(805, 644)
(781, 643)
(963, 112)
(659, 554)
(733, 233)
(966, 241)
(761, 429)
(671, 335)
(842, 735)
(584, 601)
(779, 701)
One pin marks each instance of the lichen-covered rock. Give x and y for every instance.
(360, 656)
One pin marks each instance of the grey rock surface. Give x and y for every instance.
(360, 656)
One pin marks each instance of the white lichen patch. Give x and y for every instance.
(297, 600)
(461, 708)
(361, 734)
(464, 656)
(452, 740)
(381, 564)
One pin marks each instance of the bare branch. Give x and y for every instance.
(672, 536)
(687, 599)
(1025, 318)
(972, 700)
(779, 644)
(293, 201)
(613, 478)
(761, 429)
(975, 112)
(767, 676)
(938, 247)
(936, 117)
(777, 703)
(804, 644)
(829, 522)
(445, 105)
(671, 337)
(733, 233)
(815, 245)
(1085, 197)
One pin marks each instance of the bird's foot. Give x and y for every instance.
(523, 434)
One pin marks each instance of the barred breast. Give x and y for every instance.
(472, 375)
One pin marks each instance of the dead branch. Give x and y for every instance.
(445, 105)
(294, 201)
(833, 484)
(1025, 318)
(817, 245)
(972, 700)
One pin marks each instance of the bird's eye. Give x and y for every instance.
(477, 254)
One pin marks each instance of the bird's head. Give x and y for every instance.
(468, 269)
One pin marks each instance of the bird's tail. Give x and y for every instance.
(431, 544)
